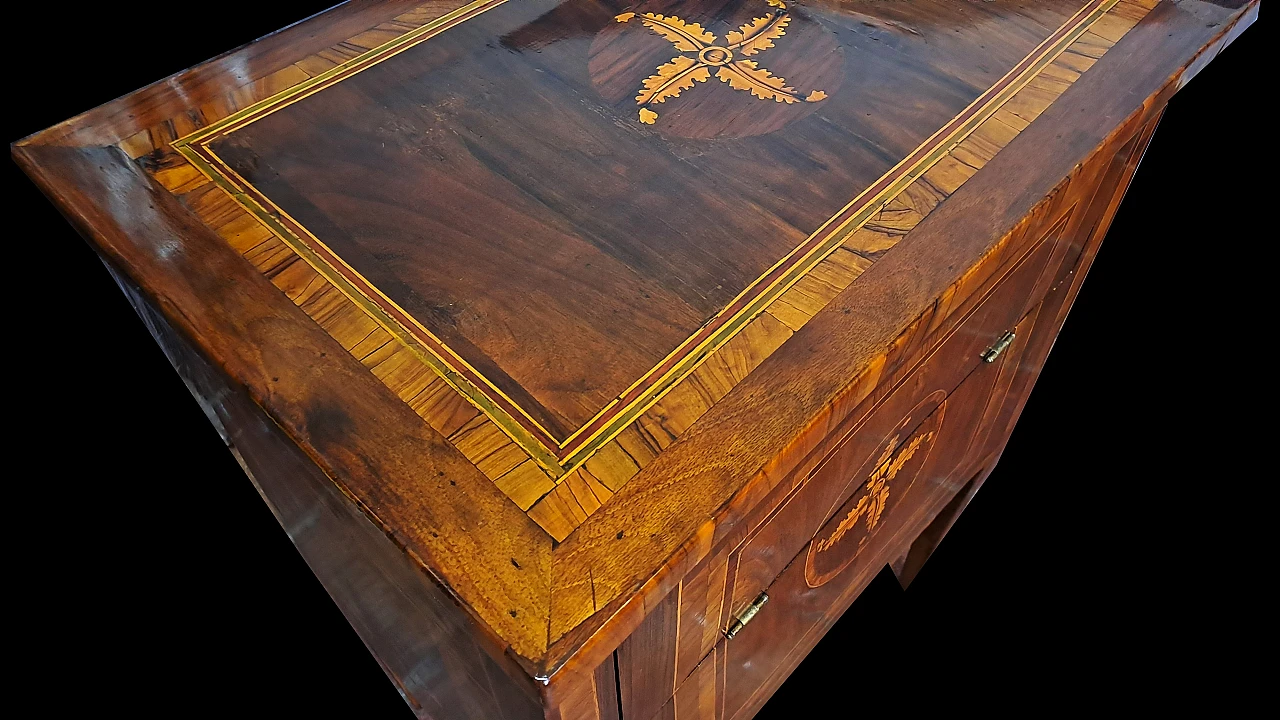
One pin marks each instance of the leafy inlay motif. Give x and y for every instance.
(702, 52)
(871, 505)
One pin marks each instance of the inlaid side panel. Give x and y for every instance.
(831, 571)
(871, 529)
(675, 638)
(887, 444)
(697, 696)
(1017, 377)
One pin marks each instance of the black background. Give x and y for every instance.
(151, 578)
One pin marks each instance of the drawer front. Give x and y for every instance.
(937, 453)
(859, 453)
(889, 479)
(913, 478)
(874, 458)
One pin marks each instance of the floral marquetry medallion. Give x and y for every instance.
(739, 69)
(890, 472)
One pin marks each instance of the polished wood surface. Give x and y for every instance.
(565, 269)
(438, 660)
(918, 463)
(562, 482)
(567, 349)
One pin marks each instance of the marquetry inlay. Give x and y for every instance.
(739, 60)
(661, 78)
(893, 470)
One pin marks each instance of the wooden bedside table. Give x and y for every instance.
(808, 258)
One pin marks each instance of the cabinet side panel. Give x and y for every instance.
(418, 634)
(1015, 385)
(647, 661)
(594, 696)
(742, 673)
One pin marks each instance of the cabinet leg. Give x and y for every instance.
(909, 564)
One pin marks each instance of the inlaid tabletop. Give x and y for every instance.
(562, 229)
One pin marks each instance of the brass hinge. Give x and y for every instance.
(994, 351)
(745, 616)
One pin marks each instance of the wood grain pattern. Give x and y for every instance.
(595, 699)
(560, 572)
(414, 619)
(856, 451)
(647, 660)
(1018, 375)
(594, 543)
(740, 688)
(367, 439)
(562, 510)
(538, 423)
